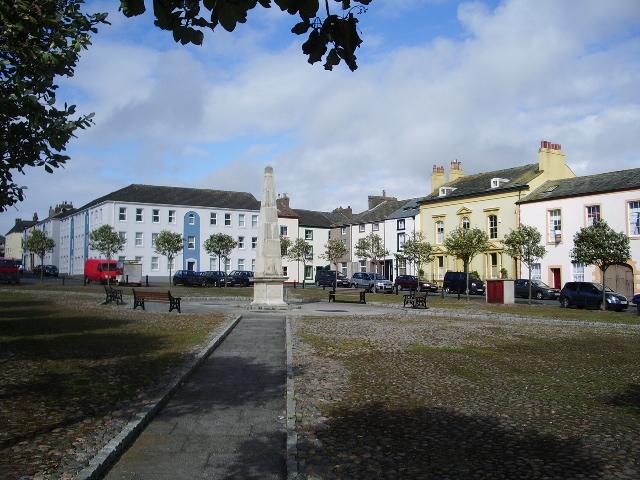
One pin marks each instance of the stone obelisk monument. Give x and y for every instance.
(268, 283)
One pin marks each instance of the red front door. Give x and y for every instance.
(557, 281)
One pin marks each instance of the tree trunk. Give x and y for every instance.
(41, 268)
(603, 269)
(466, 272)
(170, 260)
(529, 284)
(335, 280)
(304, 273)
(108, 271)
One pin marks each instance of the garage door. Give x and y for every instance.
(620, 279)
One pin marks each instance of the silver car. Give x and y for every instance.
(371, 281)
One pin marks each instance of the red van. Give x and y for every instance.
(98, 270)
(9, 270)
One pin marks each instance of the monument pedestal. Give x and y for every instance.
(268, 293)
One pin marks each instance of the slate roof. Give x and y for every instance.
(587, 185)
(378, 213)
(20, 226)
(195, 197)
(312, 218)
(480, 183)
(410, 209)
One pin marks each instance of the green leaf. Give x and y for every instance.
(132, 8)
(302, 27)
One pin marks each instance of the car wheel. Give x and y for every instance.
(447, 290)
(539, 295)
(564, 302)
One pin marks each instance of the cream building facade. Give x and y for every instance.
(487, 201)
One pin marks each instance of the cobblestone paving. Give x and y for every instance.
(422, 397)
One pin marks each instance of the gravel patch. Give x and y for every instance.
(449, 395)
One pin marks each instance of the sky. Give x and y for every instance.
(482, 82)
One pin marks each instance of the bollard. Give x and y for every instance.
(146, 280)
(126, 279)
(295, 284)
(63, 280)
(84, 280)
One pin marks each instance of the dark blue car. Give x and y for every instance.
(187, 278)
(589, 295)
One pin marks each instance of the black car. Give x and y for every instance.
(454, 282)
(539, 290)
(187, 278)
(243, 278)
(410, 282)
(47, 270)
(327, 278)
(589, 295)
(215, 278)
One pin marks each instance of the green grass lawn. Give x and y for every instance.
(548, 402)
(69, 363)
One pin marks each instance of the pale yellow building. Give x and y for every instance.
(486, 201)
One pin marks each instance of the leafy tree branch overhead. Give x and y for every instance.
(328, 31)
(40, 40)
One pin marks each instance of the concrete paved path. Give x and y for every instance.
(228, 420)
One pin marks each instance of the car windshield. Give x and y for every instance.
(342, 277)
(104, 267)
(378, 276)
(599, 287)
(538, 283)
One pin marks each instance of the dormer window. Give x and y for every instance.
(444, 191)
(496, 182)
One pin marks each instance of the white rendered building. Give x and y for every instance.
(140, 212)
(560, 208)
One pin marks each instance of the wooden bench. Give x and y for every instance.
(113, 295)
(415, 299)
(162, 297)
(349, 292)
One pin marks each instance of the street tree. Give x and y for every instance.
(169, 244)
(371, 248)
(39, 243)
(334, 250)
(108, 242)
(417, 251)
(300, 252)
(335, 30)
(465, 244)
(221, 245)
(285, 245)
(600, 245)
(525, 244)
(40, 41)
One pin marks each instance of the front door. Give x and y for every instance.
(191, 265)
(557, 281)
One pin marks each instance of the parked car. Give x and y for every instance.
(539, 290)
(327, 278)
(213, 278)
(188, 278)
(454, 282)
(9, 270)
(636, 300)
(47, 270)
(410, 282)
(371, 281)
(243, 278)
(589, 295)
(97, 270)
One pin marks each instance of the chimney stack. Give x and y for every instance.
(437, 178)
(345, 211)
(283, 200)
(456, 171)
(552, 160)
